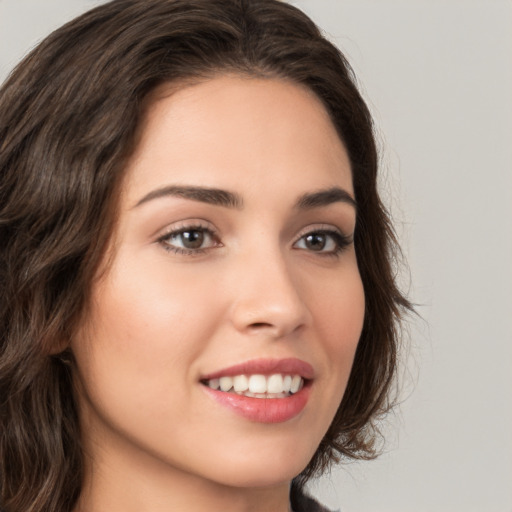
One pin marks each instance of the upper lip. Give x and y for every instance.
(289, 366)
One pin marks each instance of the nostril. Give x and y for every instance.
(260, 324)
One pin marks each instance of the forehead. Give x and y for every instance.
(232, 129)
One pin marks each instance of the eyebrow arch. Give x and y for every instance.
(205, 195)
(325, 198)
(228, 199)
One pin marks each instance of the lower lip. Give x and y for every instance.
(263, 410)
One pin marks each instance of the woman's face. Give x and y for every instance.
(233, 257)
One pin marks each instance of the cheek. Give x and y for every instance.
(339, 307)
(146, 327)
(151, 310)
(339, 313)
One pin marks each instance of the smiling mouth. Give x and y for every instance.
(258, 386)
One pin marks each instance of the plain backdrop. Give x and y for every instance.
(438, 77)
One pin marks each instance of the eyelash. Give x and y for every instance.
(164, 240)
(341, 241)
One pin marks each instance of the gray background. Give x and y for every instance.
(438, 75)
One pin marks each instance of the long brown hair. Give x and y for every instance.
(69, 115)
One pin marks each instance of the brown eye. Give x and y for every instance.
(315, 242)
(189, 240)
(192, 239)
(324, 242)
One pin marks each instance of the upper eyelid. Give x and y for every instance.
(338, 236)
(192, 224)
(185, 225)
(207, 226)
(326, 228)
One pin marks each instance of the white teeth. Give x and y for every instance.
(259, 386)
(296, 381)
(214, 383)
(275, 384)
(241, 383)
(226, 383)
(287, 383)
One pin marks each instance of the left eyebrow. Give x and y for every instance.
(325, 198)
(214, 196)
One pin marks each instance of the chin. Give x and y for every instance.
(264, 470)
(264, 477)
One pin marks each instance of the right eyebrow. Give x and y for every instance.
(324, 198)
(214, 196)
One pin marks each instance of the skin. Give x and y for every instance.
(159, 320)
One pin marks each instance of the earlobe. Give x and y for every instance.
(64, 357)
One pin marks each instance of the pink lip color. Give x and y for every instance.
(264, 410)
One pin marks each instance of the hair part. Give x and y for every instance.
(69, 120)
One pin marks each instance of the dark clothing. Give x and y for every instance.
(301, 502)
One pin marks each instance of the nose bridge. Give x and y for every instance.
(267, 294)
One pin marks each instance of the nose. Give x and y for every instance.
(268, 297)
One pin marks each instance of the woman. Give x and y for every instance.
(199, 305)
